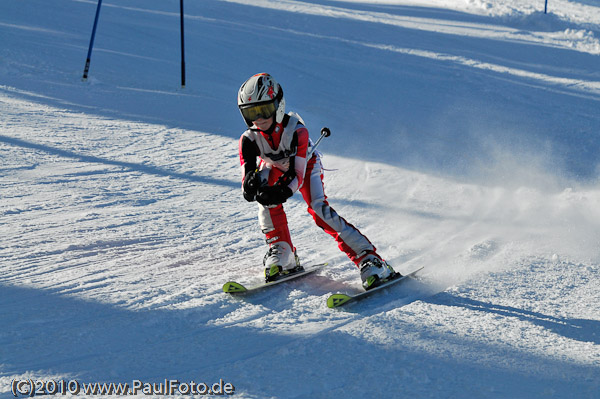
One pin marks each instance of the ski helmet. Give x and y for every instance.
(261, 97)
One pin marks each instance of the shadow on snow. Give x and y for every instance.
(50, 333)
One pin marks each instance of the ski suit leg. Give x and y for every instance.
(272, 219)
(350, 240)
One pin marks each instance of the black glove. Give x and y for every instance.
(273, 195)
(250, 186)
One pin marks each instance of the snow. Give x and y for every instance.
(464, 139)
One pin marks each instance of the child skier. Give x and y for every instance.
(273, 155)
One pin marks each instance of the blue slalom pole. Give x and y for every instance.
(546, 7)
(182, 45)
(89, 54)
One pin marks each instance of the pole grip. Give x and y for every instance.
(325, 132)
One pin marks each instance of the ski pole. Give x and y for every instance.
(325, 132)
(288, 176)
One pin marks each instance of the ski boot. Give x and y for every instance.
(375, 271)
(280, 260)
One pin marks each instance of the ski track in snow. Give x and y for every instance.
(119, 226)
(123, 228)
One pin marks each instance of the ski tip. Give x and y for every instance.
(232, 287)
(336, 300)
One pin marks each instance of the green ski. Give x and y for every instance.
(337, 300)
(235, 288)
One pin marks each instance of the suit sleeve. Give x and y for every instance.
(301, 137)
(248, 151)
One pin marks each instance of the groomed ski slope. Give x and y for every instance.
(464, 139)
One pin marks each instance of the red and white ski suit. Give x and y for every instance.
(284, 152)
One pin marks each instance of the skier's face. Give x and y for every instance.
(263, 124)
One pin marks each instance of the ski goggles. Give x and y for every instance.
(258, 111)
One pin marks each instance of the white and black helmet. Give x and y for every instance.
(261, 97)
